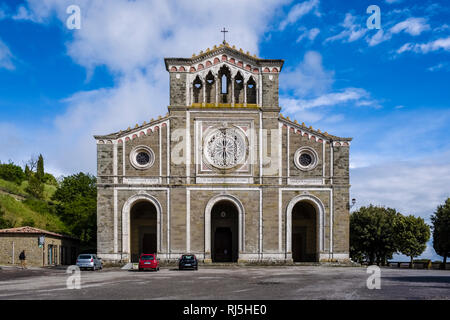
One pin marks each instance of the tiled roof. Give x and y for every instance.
(216, 48)
(224, 48)
(31, 230)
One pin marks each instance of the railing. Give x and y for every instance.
(419, 265)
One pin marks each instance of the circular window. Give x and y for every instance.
(142, 157)
(305, 158)
(225, 148)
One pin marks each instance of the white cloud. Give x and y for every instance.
(439, 66)
(413, 26)
(309, 34)
(435, 45)
(131, 38)
(309, 86)
(352, 30)
(6, 57)
(393, 1)
(379, 37)
(299, 10)
(24, 14)
(356, 95)
(442, 28)
(309, 77)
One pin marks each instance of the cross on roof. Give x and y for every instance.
(224, 31)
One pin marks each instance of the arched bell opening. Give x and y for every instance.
(238, 88)
(225, 85)
(197, 90)
(251, 91)
(210, 88)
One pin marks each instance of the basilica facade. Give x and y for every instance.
(223, 175)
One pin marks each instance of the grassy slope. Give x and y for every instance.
(13, 188)
(16, 211)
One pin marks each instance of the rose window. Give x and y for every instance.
(225, 148)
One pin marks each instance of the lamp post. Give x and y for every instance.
(353, 203)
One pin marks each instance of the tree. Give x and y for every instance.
(35, 187)
(50, 179)
(32, 163)
(372, 234)
(77, 206)
(28, 172)
(441, 230)
(412, 234)
(40, 168)
(11, 172)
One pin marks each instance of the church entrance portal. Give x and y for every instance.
(143, 229)
(304, 234)
(224, 230)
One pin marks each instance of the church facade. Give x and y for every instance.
(223, 175)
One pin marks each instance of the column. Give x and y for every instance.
(245, 94)
(216, 82)
(232, 91)
(204, 91)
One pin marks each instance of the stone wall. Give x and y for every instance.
(178, 89)
(270, 89)
(35, 256)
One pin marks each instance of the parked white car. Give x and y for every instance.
(89, 261)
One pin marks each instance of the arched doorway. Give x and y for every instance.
(304, 232)
(224, 232)
(143, 229)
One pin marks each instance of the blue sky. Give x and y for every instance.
(389, 89)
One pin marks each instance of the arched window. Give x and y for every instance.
(224, 84)
(210, 88)
(197, 90)
(238, 86)
(251, 91)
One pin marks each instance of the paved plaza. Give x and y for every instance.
(293, 282)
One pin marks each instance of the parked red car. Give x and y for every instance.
(148, 261)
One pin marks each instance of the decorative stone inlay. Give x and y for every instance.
(302, 182)
(140, 181)
(223, 180)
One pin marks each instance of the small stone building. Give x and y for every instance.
(42, 248)
(223, 174)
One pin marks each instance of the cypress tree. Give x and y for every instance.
(40, 168)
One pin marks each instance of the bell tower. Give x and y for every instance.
(224, 77)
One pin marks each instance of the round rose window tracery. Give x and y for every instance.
(142, 157)
(305, 158)
(225, 148)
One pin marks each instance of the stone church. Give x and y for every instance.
(223, 175)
